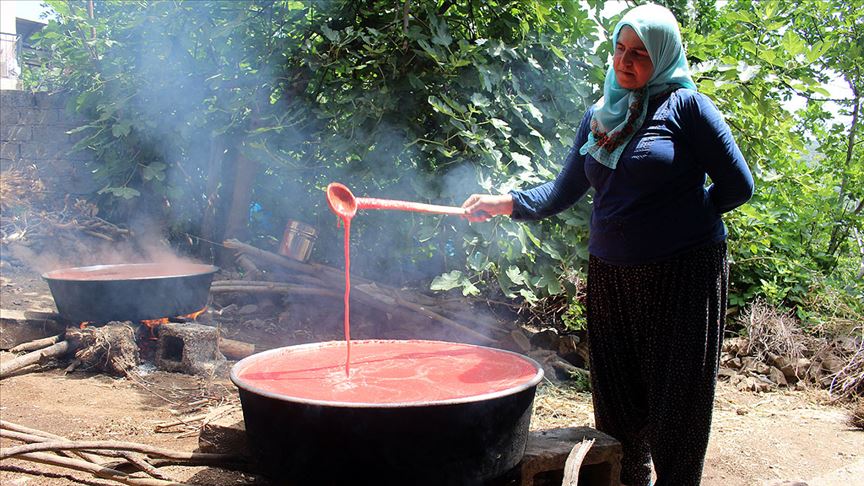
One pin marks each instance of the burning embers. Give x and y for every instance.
(175, 344)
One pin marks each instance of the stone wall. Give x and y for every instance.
(33, 134)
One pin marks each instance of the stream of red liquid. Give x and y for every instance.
(345, 209)
(346, 221)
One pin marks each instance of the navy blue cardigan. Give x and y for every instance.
(655, 204)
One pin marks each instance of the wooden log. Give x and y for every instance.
(367, 292)
(197, 458)
(34, 357)
(547, 450)
(37, 344)
(132, 458)
(18, 327)
(31, 438)
(235, 350)
(95, 469)
(574, 462)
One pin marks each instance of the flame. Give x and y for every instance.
(84, 325)
(197, 313)
(152, 323)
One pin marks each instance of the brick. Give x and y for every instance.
(9, 115)
(46, 100)
(547, 451)
(189, 348)
(38, 117)
(10, 150)
(34, 151)
(50, 134)
(15, 133)
(15, 99)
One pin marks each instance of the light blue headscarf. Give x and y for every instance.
(620, 112)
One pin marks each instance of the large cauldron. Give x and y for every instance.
(130, 292)
(460, 441)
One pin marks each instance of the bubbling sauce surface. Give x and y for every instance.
(130, 271)
(387, 372)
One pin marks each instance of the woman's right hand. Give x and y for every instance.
(481, 207)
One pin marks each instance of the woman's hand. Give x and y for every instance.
(481, 207)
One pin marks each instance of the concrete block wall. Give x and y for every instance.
(33, 130)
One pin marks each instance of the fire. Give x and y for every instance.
(153, 323)
(197, 313)
(84, 325)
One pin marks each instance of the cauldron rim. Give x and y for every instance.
(249, 360)
(201, 269)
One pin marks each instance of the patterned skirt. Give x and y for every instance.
(654, 333)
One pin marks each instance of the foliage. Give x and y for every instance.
(793, 238)
(433, 100)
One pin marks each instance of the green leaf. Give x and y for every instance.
(514, 274)
(521, 160)
(447, 281)
(330, 34)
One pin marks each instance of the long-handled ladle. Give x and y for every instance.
(342, 202)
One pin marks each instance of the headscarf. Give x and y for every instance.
(621, 112)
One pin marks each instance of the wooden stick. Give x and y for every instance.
(235, 350)
(37, 344)
(34, 357)
(365, 287)
(274, 289)
(574, 462)
(141, 463)
(191, 457)
(31, 438)
(95, 469)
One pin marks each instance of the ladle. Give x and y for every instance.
(342, 202)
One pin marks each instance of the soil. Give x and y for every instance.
(757, 439)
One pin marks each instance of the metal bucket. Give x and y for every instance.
(298, 240)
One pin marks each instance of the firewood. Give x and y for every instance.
(95, 469)
(37, 344)
(31, 438)
(196, 458)
(34, 357)
(367, 292)
(235, 350)
(574, 462)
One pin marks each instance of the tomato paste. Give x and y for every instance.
(387, 372)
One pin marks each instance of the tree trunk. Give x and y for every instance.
(238, 213)
(210, 230)
(841, 230)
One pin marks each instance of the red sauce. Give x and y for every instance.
(388, 372)
(347, 324)
(130, 271)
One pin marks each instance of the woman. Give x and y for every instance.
(657, 272)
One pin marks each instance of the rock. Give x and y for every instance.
(814, 374)
(228, 309)
(545, 339)
(248, 309)
(777, 376)
(753, 384)
(736, 346)
(734, 363)
(749, 363)
(573, 350)
(521, 340)
(832, 364)
(726, 374)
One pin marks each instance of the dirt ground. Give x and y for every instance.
(757, 439)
